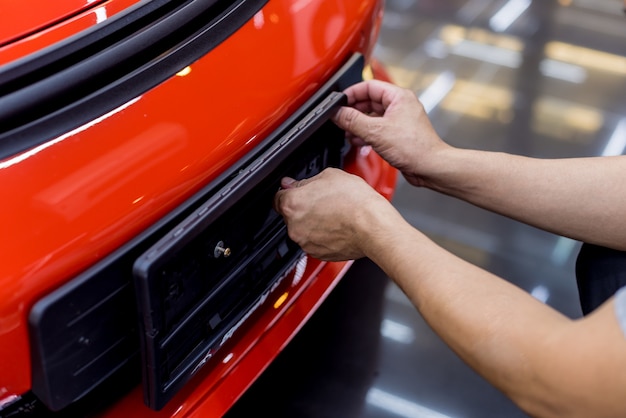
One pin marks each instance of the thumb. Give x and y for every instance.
(288, 183)
(353, 121)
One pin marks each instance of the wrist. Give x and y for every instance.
(442, 169)
(378, 229)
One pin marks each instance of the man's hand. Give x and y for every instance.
(393, 121)
(332, 214)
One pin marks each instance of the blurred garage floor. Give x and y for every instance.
(538, 78)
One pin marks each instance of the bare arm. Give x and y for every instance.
(548, 364)
(582, 198)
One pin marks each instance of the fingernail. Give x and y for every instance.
(287, 182)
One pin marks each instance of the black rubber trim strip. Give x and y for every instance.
(57, 90)
(42, 63)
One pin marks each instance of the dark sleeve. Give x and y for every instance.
(620, 308)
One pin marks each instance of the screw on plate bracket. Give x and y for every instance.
(221, 250)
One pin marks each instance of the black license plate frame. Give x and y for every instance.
(311, 145)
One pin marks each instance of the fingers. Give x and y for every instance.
(286, 183)
(352, 121)
(373, 91)
(366, 102)
(289, 183)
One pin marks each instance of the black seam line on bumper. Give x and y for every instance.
(56, 96)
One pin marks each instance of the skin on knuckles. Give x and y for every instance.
(321, 213)
(393, 121)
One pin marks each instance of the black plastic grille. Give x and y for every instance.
(66, 85)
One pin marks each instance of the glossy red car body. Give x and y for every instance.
(71, 200)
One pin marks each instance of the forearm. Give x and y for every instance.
(547, 363)
(582, 198)
(517, 343)
(488, 322)
(544, 361)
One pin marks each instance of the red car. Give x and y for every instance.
(144, 271)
